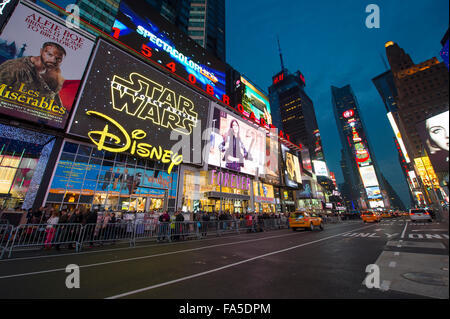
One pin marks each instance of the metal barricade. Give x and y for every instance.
(145, 230)
(107, 233)
(5, 236)
(44, 236)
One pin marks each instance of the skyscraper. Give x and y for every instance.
(361, 168)
(293, 111)
(207, 25)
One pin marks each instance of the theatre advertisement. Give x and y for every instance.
(42, 63)
(236, 145)
(127, 106)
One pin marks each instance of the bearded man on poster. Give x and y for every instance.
(40, 74)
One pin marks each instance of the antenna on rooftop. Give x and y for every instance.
(281, 55)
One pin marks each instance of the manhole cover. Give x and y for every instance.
(427, 279)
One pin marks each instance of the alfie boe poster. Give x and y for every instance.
(41, 66)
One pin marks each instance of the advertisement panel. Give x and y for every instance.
(141, 28)
(368, 176)
(272, 168)
(425, 172)
(236, 145)
(139, 110)
(320, 168)
(434, 133)
(256, 102)
(374, 192)
(292, 172)
(306, 160)
(6, 7)
(42, 63)
(306, 192)
(398, 136)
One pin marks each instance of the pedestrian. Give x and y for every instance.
(62, 229)
(205, 224)
(163, 220)
(50, 229)
(74, 219)
(179, 219)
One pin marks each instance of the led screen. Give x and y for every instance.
(320, 168)
(140, 27)
(292, 171)
(374, 192)
(131, 107)
(434, 133)
(256, 102)
(368, 176)
(41, 67)
(272, 154)
(236, 145)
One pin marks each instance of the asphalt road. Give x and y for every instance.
(281, 264)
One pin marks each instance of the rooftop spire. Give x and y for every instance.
(281, 55)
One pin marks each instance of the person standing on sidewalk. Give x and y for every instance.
(50, 230)
(62, 230)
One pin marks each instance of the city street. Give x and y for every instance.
(281, 264)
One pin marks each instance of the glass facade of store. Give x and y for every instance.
(265, 200)
(86, 177)
(199, 194)
(23, 157)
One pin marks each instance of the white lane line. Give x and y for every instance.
(404, 230)
(222, 268)
(148, 256)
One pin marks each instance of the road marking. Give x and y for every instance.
(396, 253)
(385, 285)
(404, 230)
(430, 230)
(392, 264)
(156, 255)
(220, 268)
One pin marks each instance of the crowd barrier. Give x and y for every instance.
(5, 235)
(78, 236)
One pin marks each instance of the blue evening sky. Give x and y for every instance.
(328, 42)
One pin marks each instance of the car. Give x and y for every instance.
(370, 217)
(386, 215)
(419, 214)
(305, 220)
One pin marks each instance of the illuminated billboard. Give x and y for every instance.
(368, 176)
(426, 172)
(42, 63)
(141, 28)
(306, 160)
(374, 192)
(292, 171)
(6, 7)
(272, 173)
(320, 168)
(398, 136)
(131, 107)
(254, 101)
(434, 133)
(236, 145)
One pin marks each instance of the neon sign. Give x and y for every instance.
(129, 143)
(348, 114)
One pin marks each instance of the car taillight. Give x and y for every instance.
(426, 213)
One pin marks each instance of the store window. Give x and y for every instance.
(23, 158)
(86, 177)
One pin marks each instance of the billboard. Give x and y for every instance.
(368, 176)
(426, 172)
(320, 168)
(254, 101)
(42, 63)
(292, 171)
(138, 110)
(272, 172)
(434, 133)
(141, 28)
(306, 192)
(374, 192)
(6, 7)
(306, 159)
(236, 145)
(398, 136)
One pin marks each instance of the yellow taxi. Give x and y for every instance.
(370, 217)
(305, 220)
(386, 215)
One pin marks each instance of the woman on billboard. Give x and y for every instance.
(234, 148)
(437, 132)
